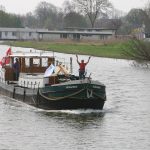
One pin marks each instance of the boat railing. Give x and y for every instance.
(31, 75)
(30, 85)
(31, 80)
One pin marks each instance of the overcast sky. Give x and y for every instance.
(24, 6)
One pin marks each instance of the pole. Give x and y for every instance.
(71, 68)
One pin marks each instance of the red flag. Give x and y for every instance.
(8, 52)
(6, 60)
(2, 62)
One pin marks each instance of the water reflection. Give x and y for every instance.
(74, 118)
(78, 117)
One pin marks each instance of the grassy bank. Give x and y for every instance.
(107, 49)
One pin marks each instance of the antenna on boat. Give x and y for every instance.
(71, 68)
(53, 58)
(53, 53)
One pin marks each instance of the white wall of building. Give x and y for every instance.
(43, 34)
(51, 36)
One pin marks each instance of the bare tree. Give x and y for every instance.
(116, 14)
(116, 21)
(68, 7)
(29, 20)
(147, 8)
(74, 19)
(93, 8)
(45, 11)
(2, 8)
(48, 16)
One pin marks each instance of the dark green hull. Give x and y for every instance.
(80, 95)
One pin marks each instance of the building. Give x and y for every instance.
(20, 34)
(45, 34)
(139, 33)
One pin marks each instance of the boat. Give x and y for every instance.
(48, 83)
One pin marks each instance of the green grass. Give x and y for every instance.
(110, 50)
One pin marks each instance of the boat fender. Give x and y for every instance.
(37, 98)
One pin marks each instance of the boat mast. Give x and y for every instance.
(71, 68)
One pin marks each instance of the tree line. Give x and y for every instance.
(9, 20)
(79, 13)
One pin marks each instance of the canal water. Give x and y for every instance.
(124, 124)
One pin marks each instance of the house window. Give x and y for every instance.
(65, 35)
(147, 35)
(6, 33)
(13, 33)
(76, 36)
(61, 35)
(30, 33)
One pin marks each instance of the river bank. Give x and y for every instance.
(107, 49)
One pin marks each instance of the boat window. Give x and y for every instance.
(44, 62)
(36, 62)
(27, 62)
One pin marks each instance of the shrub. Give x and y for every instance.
(139, 51)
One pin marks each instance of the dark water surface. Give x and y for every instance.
(124, 124)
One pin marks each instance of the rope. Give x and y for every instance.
(60, 98)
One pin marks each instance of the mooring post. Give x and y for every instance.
(14, 90)
(24, 94)
(37, 98)
(24, 83)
